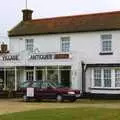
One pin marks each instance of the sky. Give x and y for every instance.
(10, 10)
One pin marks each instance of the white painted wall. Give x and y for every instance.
(88, 44)
(88, 78)
(43, 43)
(85, 47)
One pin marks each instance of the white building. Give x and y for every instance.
(81, 52)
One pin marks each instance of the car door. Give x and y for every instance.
(37, 89)
(48, 92)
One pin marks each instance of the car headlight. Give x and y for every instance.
(71, 93)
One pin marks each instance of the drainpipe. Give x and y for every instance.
(83, 77)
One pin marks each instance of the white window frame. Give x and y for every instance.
(106, 76)
(96, 76)
(106, 38)
(65, 44)
(29, 44)
(117, 76)
(102, 78)
(28, 71)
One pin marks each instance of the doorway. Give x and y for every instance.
(39, 75)
(29, 75)
(10, 79)
(65, 78)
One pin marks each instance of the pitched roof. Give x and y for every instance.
(68, 24)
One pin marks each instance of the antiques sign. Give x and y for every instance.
(49, 56)
(37, 57)
(41, 57)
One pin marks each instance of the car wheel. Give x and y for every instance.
(26, 99)
(59, 98)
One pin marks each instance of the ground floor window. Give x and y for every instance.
(57, 74)
(39, 75)
(52, 75)
(65, 77)
(106, 77)
(10, 78)
(29, 75)
(97, 77)
(117, 78)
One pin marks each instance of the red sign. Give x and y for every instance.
(61, 56)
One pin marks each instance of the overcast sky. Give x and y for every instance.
(10, 10)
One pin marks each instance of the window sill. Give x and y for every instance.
(104, 88)
(106, 53)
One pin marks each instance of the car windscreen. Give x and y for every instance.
(36, 85)
(24, 84)
(54, 85)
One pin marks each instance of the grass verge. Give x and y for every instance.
(66, 114)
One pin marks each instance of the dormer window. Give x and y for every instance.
(106, 43)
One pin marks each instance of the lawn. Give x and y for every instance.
(66, 114)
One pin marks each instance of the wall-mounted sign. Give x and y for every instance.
(48, 56)
(61, 56)
(10, 57)
(41, 57)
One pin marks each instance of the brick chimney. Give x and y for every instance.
(27, 14)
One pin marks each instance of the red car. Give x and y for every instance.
(48, 90)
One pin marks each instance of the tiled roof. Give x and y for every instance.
(68, 24)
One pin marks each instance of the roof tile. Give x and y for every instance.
(68, 24)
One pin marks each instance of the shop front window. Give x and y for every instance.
(97, 77)
(107, 77)
(10, 79)
(57, 74)
(52, 75)
(117, 78)
(29, 75)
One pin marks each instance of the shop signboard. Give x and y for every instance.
(38, 56)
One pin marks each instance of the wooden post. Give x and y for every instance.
(46, 73)
(5, 87)
(59, 81)
(15, 78)
(34, 74)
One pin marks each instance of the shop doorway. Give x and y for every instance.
(65, 78)
(10, 79)
(29, 75)
(39, 75)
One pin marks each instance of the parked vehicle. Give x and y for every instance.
(48, 90)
